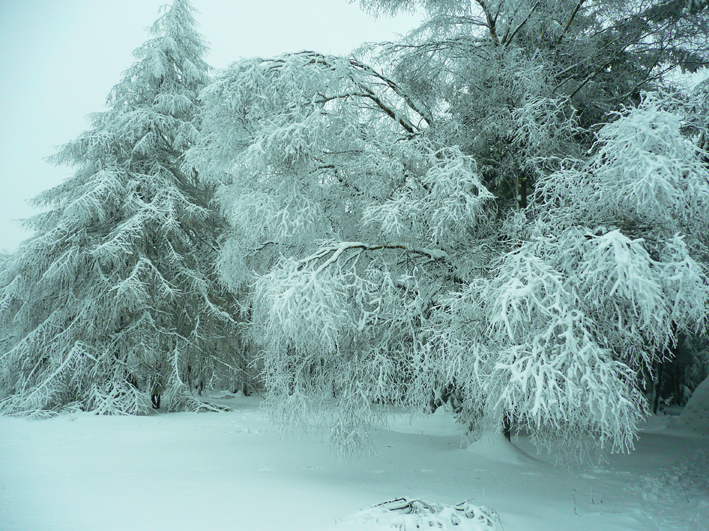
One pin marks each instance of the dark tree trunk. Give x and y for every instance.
(658, 388)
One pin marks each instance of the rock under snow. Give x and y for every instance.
(404, 514)
(695, 415)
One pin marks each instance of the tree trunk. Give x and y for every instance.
(658, 388)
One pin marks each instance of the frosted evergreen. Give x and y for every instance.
(115, 294)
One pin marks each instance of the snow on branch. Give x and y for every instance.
(643, 172)
(575, 315)
(446, 206)
(311, 301)
(341, 248)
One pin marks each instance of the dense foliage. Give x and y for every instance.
(503, 218)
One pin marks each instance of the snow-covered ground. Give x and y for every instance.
(233, 471)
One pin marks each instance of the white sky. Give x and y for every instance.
(59, 60)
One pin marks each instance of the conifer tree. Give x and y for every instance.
(113, 297)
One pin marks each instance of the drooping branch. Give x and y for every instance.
(370, 95)
(341, 248)
(365, 91)
(395, 87)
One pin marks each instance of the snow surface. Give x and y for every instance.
(233, 471)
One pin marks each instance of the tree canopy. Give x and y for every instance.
(495, 212)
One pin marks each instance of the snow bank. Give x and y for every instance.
(695, 416)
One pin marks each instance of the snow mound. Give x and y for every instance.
(495, 447)
(405, 514)
(695, 415)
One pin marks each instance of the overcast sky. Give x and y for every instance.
(59, 60)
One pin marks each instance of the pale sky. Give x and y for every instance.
(60, 58)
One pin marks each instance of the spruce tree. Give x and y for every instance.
(114, 297)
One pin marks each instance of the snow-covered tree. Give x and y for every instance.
(347, 209)
(612, 271)
(378, 246)
(484, 61)
(4, 332)
(115, 294)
